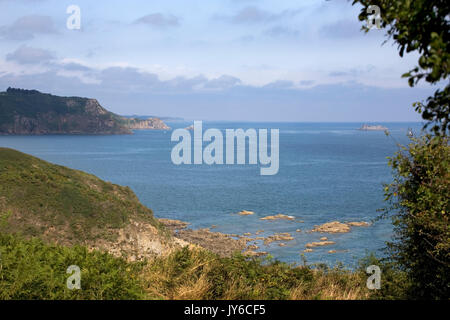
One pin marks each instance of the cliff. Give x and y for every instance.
(32, 112)
(150, 123)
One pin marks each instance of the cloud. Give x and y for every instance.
(280, 31)
(27, 27)
(223, 82)
(159, 20)
(29, 55)
(280, 85)
(73, 66)
(341, 29)
(130, 91)
(352, 72)
(253, 15)
(306, 82)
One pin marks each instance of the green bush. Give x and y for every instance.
(31, 269)
(420, 207)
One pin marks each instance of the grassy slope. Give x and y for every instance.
(62, 205)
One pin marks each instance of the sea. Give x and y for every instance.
(327, 172)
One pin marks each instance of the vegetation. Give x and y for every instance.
(31, 269)
(61, 204)
(420, 207)
(200, 274)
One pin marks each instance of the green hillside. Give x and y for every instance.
(62, 205)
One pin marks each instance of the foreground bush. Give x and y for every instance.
(30, 269)
(420, 207)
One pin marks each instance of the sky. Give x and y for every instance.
(237, 60)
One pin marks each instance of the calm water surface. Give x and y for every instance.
(328, 171)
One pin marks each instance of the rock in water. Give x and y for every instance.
(332, 227)
(319, 244)
(245, 213)
(279, 216)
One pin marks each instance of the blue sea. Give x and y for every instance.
(328, 171)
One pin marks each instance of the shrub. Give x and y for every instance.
(31, 269)
(419, 208)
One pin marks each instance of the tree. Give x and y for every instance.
(419, 198)
(421, 26)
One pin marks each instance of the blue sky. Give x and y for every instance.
(210, 59)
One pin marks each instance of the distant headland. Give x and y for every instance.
(30, 112)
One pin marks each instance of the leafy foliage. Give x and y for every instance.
(421, 26)
(30, 269)
(420, 207)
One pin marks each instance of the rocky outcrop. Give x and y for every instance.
(319, 244)
(245, 213)
(279, 216)
(217, 242)
(338, 227)
(149, 124)
(283, 236)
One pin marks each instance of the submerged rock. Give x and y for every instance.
(358, 224)
(319, 244)
(338, 227)
(245, 213)
(279, 216)
(332, 227)
(285, 236)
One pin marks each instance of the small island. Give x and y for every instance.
(367, 127)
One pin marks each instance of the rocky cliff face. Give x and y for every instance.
(150, 123)
(32, 112)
